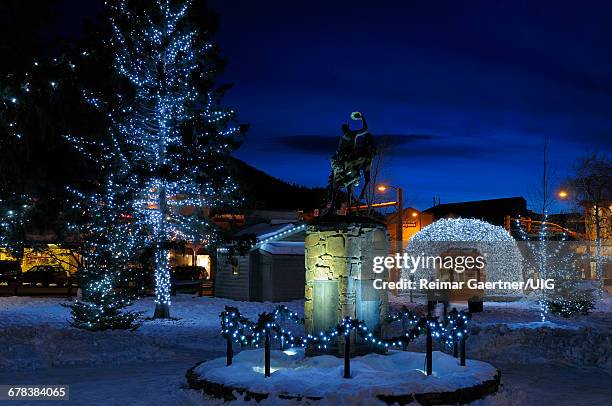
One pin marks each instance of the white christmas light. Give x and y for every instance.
(169, 142)
(498, 248)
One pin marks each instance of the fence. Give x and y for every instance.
(450, 330)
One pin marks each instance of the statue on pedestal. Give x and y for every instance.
(354, 155)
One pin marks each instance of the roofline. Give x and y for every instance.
(475, 201)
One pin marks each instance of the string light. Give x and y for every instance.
(168, 143)
(555, 259)
(279, 235)
(498, 248)
(108, 242)
(236, 327)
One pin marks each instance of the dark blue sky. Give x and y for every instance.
(464, 91)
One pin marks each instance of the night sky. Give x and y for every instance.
(462, 94)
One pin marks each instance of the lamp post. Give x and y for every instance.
(400, 207)
(417, 217)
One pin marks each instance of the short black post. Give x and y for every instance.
(445, 308)
(430, 308)
(267, 355)
(455, 349)
(429, 348)
(462, 351)
(229, 351)
(404, 331)
(347, 355)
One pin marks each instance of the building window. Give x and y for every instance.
(204, 261)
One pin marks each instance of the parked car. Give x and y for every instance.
(187, 278)
(189, 273)
(46, 275)
(9, 271)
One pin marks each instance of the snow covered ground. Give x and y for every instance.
(147, 366)
(397, 373)
(512, 332)
(37, 334)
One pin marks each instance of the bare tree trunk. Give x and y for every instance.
(598, 271)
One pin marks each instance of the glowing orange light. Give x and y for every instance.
(382, 188)
(414, 214)
(563, 194)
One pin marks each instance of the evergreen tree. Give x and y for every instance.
(108, 242)
(170, 132)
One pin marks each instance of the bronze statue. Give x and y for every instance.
(353, 156)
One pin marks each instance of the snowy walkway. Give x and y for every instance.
(144, 384)
(160, 384)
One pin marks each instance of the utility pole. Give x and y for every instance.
(400, 219)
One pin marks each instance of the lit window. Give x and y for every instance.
(235, 265)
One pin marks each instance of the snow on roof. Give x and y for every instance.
(265, 230)
(276, 231)
(284, 247)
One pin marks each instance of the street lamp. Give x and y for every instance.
(400, 207)
(562, 194)
(400, 220)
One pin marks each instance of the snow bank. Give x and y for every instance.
(35, 333)
(46, 346)
(525, 343)
(293, 374)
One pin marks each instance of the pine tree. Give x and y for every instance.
(108, 242)
(171, 132)
(13, 213)
(39, 103)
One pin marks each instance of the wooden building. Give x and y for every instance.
(272, 270)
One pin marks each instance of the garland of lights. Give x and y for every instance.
(503, 258)
(279, 235)
(241, 330)
(272, 238)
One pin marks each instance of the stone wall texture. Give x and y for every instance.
(344, 252)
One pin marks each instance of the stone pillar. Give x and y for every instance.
(339, 277)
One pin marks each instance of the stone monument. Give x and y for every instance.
(339, 267)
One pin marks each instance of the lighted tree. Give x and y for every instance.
(551, 255)
(554, 257)
(13, 212)
(170, 132)
(39, 103)
(108, 240)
